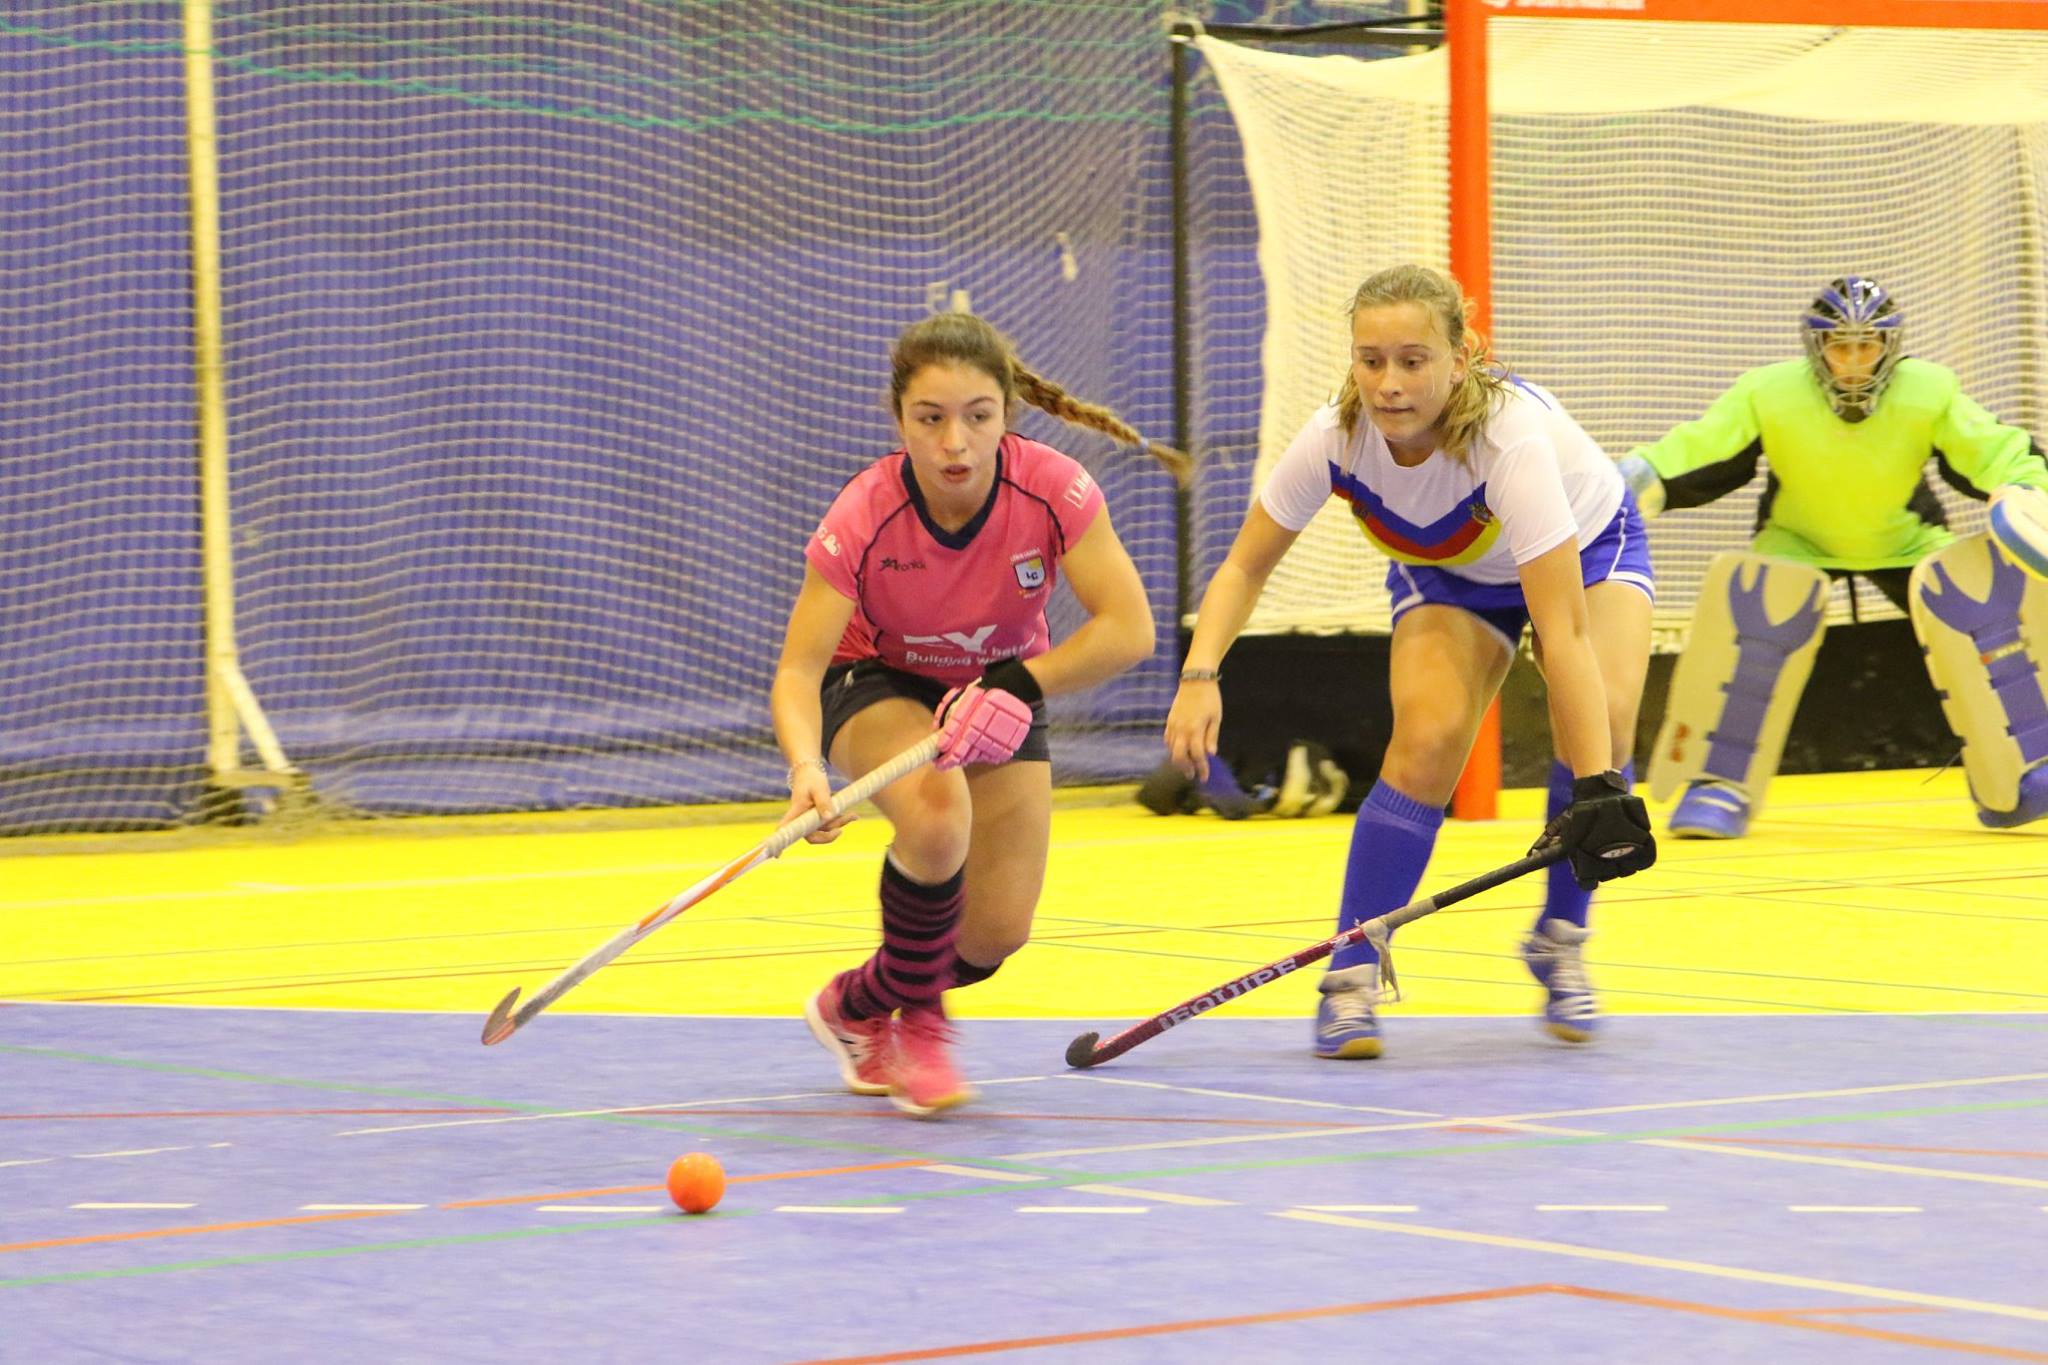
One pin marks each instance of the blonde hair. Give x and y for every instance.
(1474, 397)
(964, 339)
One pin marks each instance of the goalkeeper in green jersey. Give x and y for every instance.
(1848, 431)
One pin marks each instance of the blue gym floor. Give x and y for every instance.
(1694, 1188)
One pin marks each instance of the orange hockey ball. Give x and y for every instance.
(696, 1182)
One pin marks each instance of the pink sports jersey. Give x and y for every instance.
(947, 604)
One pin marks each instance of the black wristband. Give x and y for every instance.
(1010, 675)
(1609, 783)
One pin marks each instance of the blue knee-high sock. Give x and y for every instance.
(1565, 899)
(1390, 846)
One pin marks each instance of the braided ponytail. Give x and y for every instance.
(962, 338)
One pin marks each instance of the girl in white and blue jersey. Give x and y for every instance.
(1496, 511)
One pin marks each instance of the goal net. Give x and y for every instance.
(1666, 198)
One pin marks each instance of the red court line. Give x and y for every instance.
(646, 1189)
(968, 1115)
(1870, 1147)
(1767, 1318)
(1778, 1319)
(249, 1113)
(1195, 1325)
(193, 1231)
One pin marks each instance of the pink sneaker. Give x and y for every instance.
(925, 1081)
(860, 1045)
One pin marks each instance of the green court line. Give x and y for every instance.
(1063, 1180)
(319, 1253)
(393, 1092)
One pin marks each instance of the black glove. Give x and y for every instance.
(1605, 830)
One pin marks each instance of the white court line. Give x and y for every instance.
(139, 1151)
(1358, 1208)
(1846, 1163)
(1508, 1120)
(1241, 1095)
(358, 1208)
(28, 1161)
(1766, 1099)
(1800, 1158)
(1081, 1208)
(981, 1173)
(600, 1208)
(1853, 1208)
(134, 1206)
(1725, 1272)
(1162, 1196)
(1603, 1208)
(632, 1109)
(834, 1208)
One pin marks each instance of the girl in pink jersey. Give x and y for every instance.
(1496, 511)
(922, 607)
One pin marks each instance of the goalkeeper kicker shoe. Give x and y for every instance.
(1711, 810)
(2032, 806)
(1346, 1026)
(1554, 956)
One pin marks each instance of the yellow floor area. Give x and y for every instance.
(1867, 891)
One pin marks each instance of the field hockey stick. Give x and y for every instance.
(1083, 1052)
(504, 1021)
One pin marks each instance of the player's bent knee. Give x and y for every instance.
(1425, 766)
(934, 822)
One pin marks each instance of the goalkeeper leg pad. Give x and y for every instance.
(1755, 631)
(1983, 625)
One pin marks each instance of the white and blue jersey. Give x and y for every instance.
(1457, 531)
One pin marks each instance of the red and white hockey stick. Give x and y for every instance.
(505, 1021)
(1084, 1051)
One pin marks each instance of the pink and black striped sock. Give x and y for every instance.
(913, 967)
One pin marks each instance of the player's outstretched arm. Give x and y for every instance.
(1698, 461)
(1197, 715)
(1985, 451)
(816, 622)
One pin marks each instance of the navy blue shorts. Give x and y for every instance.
(849, 689)
(1620, 552)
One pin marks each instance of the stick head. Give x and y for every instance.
(1081, 1052)
(501, 1024)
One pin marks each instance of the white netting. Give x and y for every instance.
(552, 327)
(1666, 197)
(100, 645)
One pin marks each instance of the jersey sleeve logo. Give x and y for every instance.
(1077, 491)
(829, 541)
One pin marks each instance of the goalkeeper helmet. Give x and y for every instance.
(1853, 309)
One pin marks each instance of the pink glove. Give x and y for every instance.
(978, 724)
